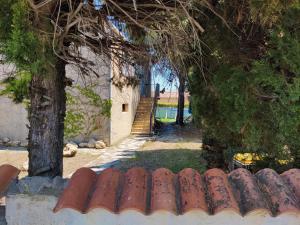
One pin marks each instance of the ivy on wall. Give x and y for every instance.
(86, 110)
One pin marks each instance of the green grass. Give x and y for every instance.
(170, 104)
(174, 160)
(166, 120)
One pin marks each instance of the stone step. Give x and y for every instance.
(140, 131)
(145, 104)
(141, 127)
(141, 123)
(143, 116)
(142, 119)
(144, 109)
(143, 134)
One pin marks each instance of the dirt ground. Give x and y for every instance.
(18, 156)
(174, 148)
(172, 136)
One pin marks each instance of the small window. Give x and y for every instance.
(124, 107)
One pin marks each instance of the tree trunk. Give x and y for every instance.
(46, 117)
(180, 107)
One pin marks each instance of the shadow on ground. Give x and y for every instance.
(172, 159)
(171, 132)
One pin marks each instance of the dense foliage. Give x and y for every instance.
(247, 96)
(19, 42)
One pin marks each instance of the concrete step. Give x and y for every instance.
(142, 118)
(146, 102)
(141, 127)
(144, 107)
(143, 115)
(140, 123)
(143, 111)
(147, 134)
(141, 132)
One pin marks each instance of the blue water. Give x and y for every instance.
(169, 112)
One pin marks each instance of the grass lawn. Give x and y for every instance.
(172, 159)
(166, 120)
(171, 104)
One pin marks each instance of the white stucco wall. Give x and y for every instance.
(121, 122)
(25, 209)
(99, 82)
(13, 117)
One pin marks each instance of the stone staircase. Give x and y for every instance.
(142, 121)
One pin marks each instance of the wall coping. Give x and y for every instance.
(213, 192)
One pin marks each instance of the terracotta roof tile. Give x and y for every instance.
(192, 191)
(246, 191)
(163, 194)
(215, 191)
(292, 179)
(219, 191)
(134, 194)
(7, 174)
(278, 194)
(78, 191)
(106, 190)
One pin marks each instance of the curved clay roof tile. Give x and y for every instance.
(75, 196)
(281, 198)
(192, 191)
(292, 179)
(247, 192)
(219, 191)
(163, 194)
(135, 189)
(239, 192)
(7, 174)
(106, 190)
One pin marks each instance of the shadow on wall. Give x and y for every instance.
(172, 159)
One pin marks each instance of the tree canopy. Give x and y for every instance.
(247, 94)
(242, 59)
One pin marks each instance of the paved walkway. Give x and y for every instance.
(112, 155)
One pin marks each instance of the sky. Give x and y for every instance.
(164, 77)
